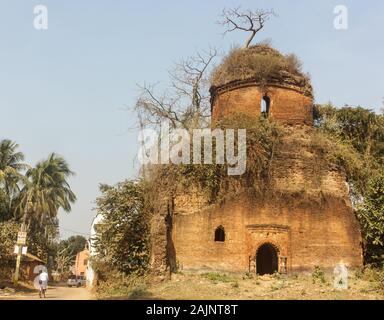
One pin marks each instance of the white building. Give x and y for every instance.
(92, 250)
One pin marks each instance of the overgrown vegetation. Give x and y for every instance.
(8, 234)
(348, 139)
(318, 275)
(66, 251)
(122, 240)
(262, 64)
(286, 287)
(218, 277)
(115, 284)
(371, 216)
(353, 137)
(263, 137)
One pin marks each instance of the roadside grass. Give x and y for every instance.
(365, 285)
(318, 276)
(218, 277)
(127, 287)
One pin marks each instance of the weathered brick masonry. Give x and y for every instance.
(315, 225)
(288, 104)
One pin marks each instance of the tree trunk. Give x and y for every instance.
(250, 39)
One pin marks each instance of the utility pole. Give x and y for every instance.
(18, 260)
(21, 241)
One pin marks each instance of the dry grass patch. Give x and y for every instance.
(263, 64)
(224, 286)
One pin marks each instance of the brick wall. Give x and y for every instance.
(305, 236)
(309, 220)
(287, 105)
(311, 223)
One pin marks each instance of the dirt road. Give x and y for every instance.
(54, 293)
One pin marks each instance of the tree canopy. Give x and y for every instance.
(67, 250)
(122, 240)
(360, 133)
(30, 197)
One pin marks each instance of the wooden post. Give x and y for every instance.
(17, 271)
(21, 240)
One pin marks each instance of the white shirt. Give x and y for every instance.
(43, 276)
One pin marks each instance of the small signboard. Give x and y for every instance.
(21, 238)
(23, 249)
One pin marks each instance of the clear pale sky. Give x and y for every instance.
(65, 89)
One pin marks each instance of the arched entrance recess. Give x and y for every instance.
(267, 260)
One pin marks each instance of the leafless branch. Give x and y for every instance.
(186, 103)
(245, 20)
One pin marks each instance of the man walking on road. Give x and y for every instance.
(43, 283)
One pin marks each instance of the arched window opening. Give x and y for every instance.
(220, 234)
(265, 106)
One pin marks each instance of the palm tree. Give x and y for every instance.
(11, 165)
(46, 190)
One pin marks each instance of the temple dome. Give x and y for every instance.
(263, 65)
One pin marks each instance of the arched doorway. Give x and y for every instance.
(267, 259)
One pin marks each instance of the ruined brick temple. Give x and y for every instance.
(285, 235)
